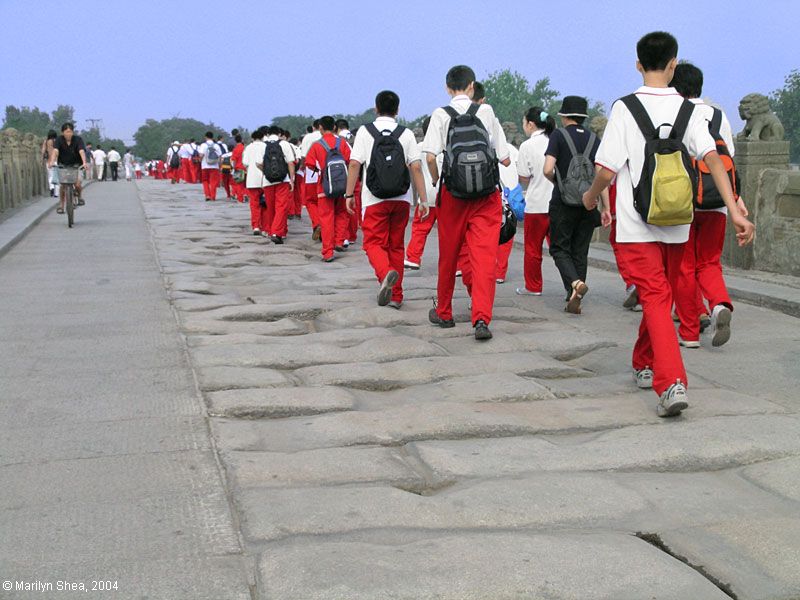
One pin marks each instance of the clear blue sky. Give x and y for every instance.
(246, 61)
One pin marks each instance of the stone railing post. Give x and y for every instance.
(22, 171)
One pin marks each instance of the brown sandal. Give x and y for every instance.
(60, 210)
(579, 290)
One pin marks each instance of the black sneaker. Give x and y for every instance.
(340, 248)
(316, 235)
(482, 332)
(276, 239)
(434, 318)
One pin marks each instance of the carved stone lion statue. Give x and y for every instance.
(513, 134)
(598, 125)
(762, 124)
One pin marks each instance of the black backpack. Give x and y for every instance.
(708, 196)
(580, 172)
(508, 225)
(387, 173)
(274, 167)
(470, 169)
(174, 160)
(334, 177)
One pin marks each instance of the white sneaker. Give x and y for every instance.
(527, 292)
(458, 273)
(644, 378)
(265, 234)
(672, 401)
(410, 265)
(689, 343)
(720, 325)
(256, 232)
(346, 243)
(498, 280)
(637, 308)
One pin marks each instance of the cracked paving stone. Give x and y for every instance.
(779, 476)
(199, 323)
(278, 403)
(214, 379)
(554, 343)
(500, 566)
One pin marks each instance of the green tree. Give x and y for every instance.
(294, 124)
(64, 113)
(786, 104)
(154, 137)
(511, 94)
(27, 120)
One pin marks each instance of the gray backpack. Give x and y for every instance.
(580, 173)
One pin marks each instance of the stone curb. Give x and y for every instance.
(19, 224)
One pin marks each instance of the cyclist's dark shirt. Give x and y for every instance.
(68, 154)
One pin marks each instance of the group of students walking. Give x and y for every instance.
(660, 175)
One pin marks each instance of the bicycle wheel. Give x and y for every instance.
(69, 205)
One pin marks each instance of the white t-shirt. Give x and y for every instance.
(436, 138)
(99, 156)
(185, 151)
(254, 153)
(128, 158)
(288, 156)
(725, 131)
(431, 190)
(202, 149)
(308, 141)
(170, 151)
(530, 163)
(114, 156)
(362, 152)
(622, 152)
(509, 176)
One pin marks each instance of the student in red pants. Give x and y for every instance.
(251, 157)
(210, 156)
(509, 179)
(386, 193)
(238, 188)
(331, 212)
(279, 195)
(701, 270)
(652, 254)
(421, 227)
(538, 124)
(475, 222)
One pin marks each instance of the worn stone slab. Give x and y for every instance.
(500, 566)
(560, 345)
(300, 353)
(779, 476)
(491, 387)
(708, 444)
(231, 378)
(202, 303)
(501, 504)
(331, 466)
(758, 557)
(372, 376)
(202, 324)
(342, 338)
(277, 403)
(270, 312)
(360, 316)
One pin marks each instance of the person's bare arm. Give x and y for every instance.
(524, 182)
(602, 180)
(291, 175)
(419, 185)
(353, 170)
(83, 157)
(53, 157)
(549, 170)
(505, 162)
(432, 167)
(745, 230)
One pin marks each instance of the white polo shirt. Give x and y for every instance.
(362, 152)
(288, 155)
(530, 163)
(254, 153)
(99, 157)
(185, 151)
(622, 152)
(113, 156)
(436, 138)
(170, 151)
(509, 176)
(202, 149)
(430, 189)
(725, 131)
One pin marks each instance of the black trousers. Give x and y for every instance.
(571, 230)
(113, 170)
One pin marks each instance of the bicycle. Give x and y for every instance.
(68, 176)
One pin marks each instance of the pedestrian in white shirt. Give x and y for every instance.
(538, 125)
(278, 166)
(127, 161)
(252, 156)
(391, 158)
(210, 156)
(99, 157)
(113, 162)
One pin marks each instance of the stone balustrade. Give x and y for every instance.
(22, 171)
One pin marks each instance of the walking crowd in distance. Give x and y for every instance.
(660, 175)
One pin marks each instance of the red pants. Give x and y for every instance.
(334, 220)
(196, 172)
(612, 239)
(279, 199)
(537, 228)
(312, 203)
(227, 180)
(384, 228)
(186, 170)
(297, 196)
(701, 272)
(210, 179)
(475, 223)
(419, 235)
(503, 252)
(239, 191)
(138, 174)
(654, 269)
(258, 213)
(355, 220)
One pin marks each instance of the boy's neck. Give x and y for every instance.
(454, 93)
(656, 79)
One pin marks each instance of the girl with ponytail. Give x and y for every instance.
(538, 125)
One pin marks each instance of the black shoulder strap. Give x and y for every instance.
(682, 121)
(450, 111)
(715, 126)
(473, 109)
(398, 131)
(640, 116)
(373, 131)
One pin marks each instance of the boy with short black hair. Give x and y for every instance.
(386, 193)
(652, 254)
(278, 194)
(311, 180)
(475, 221)
(210, 155)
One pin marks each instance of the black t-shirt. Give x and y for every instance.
(557, 147)
(68, 154)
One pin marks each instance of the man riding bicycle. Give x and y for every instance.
(68, 151)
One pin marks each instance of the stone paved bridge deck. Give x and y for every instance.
(365, 453)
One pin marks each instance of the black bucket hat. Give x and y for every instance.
(574, 106)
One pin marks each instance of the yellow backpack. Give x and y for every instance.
(667, 188)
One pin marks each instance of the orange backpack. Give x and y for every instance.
(708, 196)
